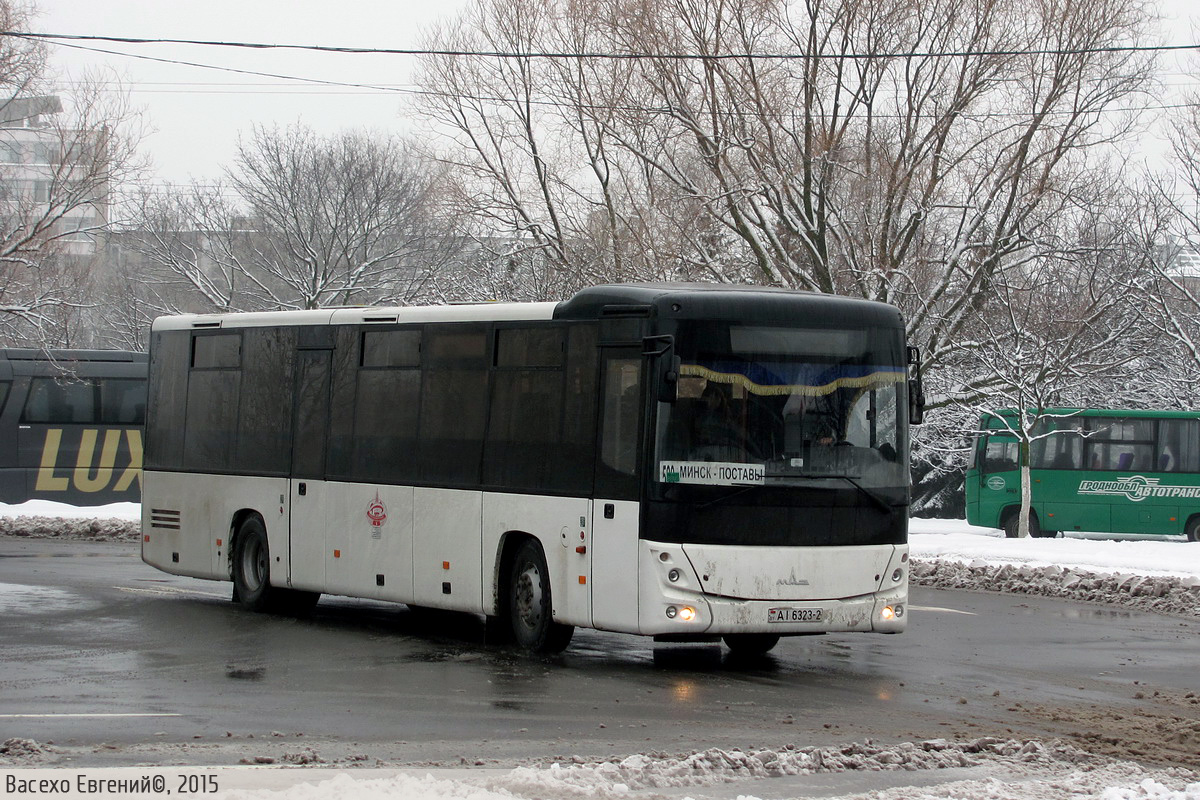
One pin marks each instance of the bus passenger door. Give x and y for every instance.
(306, 540)
(615, 510)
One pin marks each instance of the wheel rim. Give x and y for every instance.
(254, 565)
(528, 597)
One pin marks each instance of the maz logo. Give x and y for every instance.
(91, 474)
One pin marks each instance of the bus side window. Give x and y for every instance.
(1000, 455)
(60, 402)
(618, 443)
(122, 401)
(1177, 448)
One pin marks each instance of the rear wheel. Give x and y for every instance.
(750, 644)
(529, 603)
(1193, 529)
(252, 566)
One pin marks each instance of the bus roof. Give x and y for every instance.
(34, 354)
(682, 300)
(1129, 413)
(485, 312)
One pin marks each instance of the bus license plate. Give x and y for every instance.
(793, 615)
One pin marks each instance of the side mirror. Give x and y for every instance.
(916, 394)
(665, 367)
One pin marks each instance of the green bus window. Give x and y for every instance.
(1178, 446)
(1000, 455)
(1060, 445)
(1121, 444)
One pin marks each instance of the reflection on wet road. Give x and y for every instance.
(105, 634)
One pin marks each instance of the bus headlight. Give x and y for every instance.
(674, 575)
(897, 574)
(672, 612)
(888, 613)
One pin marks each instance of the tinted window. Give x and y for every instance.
(4, 387)
(385, 425)
(579, 410)
(60, 401)
(211, 429)
(342, 393)
(401, 348)
(167, 401)
(122, 401)
(454, 400)
(620, 418)
(312, 413)
(217, 351)
(529, 347)
(541, 432)
(265, 416)
(525, 431)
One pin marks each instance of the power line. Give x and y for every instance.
(400, 89)
(62, 37)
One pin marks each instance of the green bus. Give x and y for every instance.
(1129, 472)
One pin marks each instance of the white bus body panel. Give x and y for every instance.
(446, 525)
(788, 573)
(848, 598)
(367, 540)
(614, 573)
(206, 506)
(561, 525)
(306, 539)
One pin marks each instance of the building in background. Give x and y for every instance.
(49, 193)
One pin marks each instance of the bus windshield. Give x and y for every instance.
(785, 406)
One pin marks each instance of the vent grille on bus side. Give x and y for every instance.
(164, 518)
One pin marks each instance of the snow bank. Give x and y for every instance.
(46, 519)
(49, 508)
(955, 540)
(995, 769)
(1160, 575)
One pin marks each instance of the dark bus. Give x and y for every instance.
(71, 425)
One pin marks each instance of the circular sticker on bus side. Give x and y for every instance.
(995, 483)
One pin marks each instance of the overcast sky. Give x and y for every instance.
(195, 114)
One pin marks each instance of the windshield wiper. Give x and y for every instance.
(879, 502)
(740, 491)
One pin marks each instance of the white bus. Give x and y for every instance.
(679, 461)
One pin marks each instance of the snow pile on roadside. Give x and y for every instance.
(955, 540)
(46, 519)
(50, 508)
(1011, 770)
(93, 529)
(1160, 575)
(720, 766)
(1162, 595)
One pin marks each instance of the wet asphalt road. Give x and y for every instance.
(117, 664)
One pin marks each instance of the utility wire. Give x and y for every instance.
(62, 37)
(395, 89)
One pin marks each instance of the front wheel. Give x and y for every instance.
(750, 644)
(529, 604)
(1011, 529)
